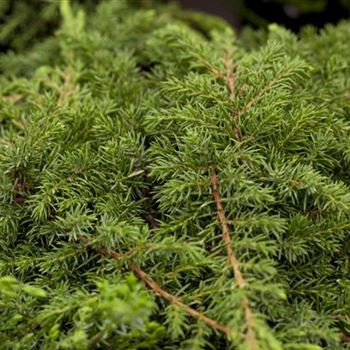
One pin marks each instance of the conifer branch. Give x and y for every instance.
(239, 279)
(176, 301)
(94, 131)
(235, 117)
(341, 316)
(229, 66)
(138, 248)
(345, 339)
(152, 222)
(230, 78)
(216, 72)
(67, 89)
(153, 285)
(261, 92)
(225, 229)
(95, 340)
(147, 193)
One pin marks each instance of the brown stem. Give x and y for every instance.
(216, 72)
(231, 86)
(250, 335)
(95, 340)
(176, 301)
(249, 317)
(345, 339)
(152, 284)
(67, 89)
(231, 79)
(341, 316)
(152, 222)
(147, 192)
(138, 248)
(225, 229)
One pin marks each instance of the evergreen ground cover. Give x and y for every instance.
(165, 184)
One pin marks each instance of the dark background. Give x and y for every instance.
(259, 13)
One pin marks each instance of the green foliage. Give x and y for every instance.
(113, 136)
(23, 23)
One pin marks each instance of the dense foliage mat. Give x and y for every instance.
(167, 185)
